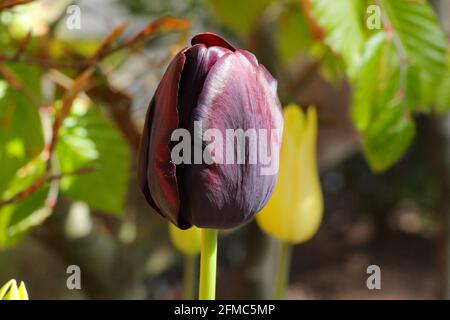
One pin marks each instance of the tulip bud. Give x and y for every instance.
(187, 241)
(10, 291)
(207, 90)
(294, 212)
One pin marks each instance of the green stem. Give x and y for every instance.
(208, 261)
(190, 262)
(282, 276)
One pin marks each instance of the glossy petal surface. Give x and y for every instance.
(210, 39)
(159, 182)
(236, 95)
(223, 88)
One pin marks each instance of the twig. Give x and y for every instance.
(317, 32)
(106, 43)
(166, 23)
(39, 182)
(17, 84)
(78, 85)
(22, 46)
(118, 104)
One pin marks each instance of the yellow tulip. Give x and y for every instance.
(187, 241)
(10, 291)
(294, 212)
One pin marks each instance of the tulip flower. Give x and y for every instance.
(10, 291)
(294, 212)
(188, 243)
(208, 89)
(223, 88)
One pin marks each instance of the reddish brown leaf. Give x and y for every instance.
(166, 23)
(10, 77)
(8, 4)
(78, 85)
(317, 31)
(108, 40)
(22, 45)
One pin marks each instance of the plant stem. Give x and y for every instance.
(282, 276)
(190, 262)
(208, 261)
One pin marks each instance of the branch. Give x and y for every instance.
(22, 45)
(17, 84)
(105, 49)
(316, 31)
(78, 85)
(39, 182)
(118, 104)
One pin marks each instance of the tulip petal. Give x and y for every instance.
(236, 94)
(6, 287)
(210, 39)
(199, 60)
(22, 290)
(223, 88)
(160, 186)
(143, 158)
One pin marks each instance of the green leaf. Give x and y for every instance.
(21, 136)
(379, 110)
(399, 74)
(237, 15)
(292, 33)
(416, 26)
(389, 136)
(371, 75)
(18, 217)
(442, 97)
(88, 140)
(342, 21)
(21, 141)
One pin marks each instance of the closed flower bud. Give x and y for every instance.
(10, 291)
(187, 241)
(207, 90)
(294, 212)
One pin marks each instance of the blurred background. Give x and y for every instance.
(76, 78)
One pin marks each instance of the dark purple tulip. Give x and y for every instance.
(224, 88)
